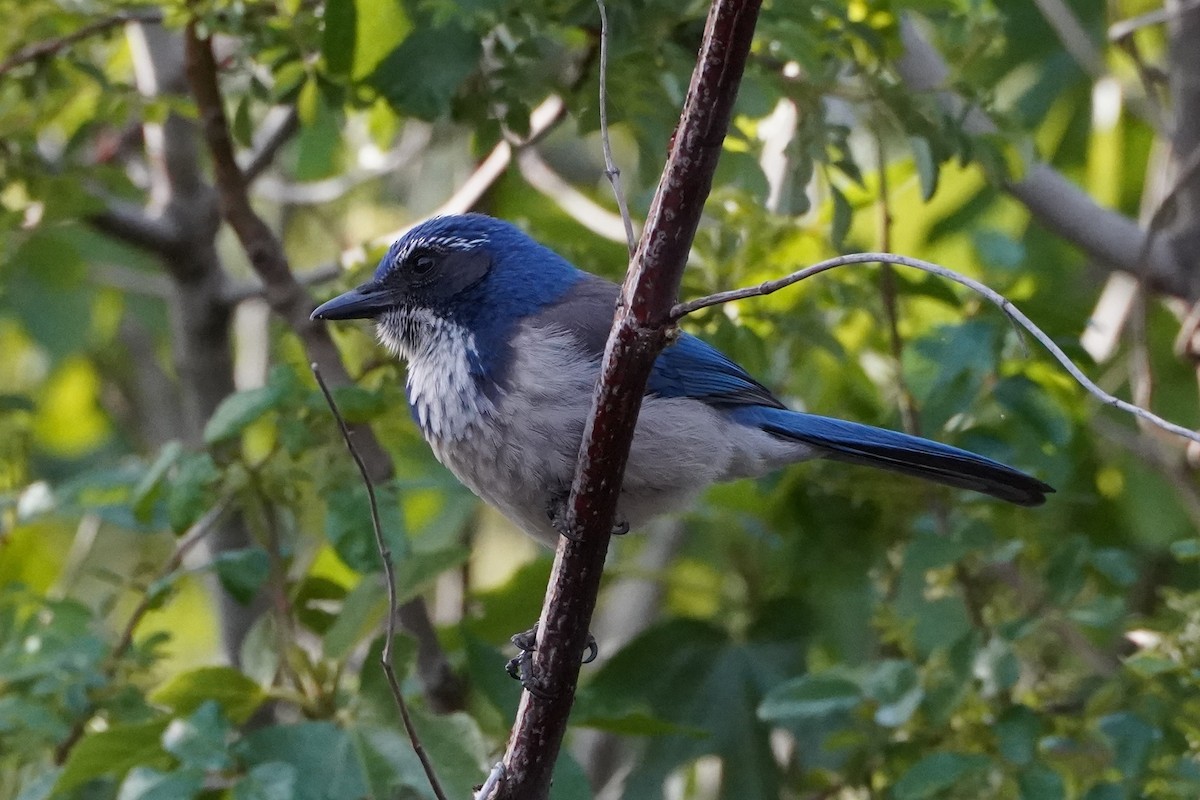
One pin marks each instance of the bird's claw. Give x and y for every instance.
(520, 667)
(556, 510)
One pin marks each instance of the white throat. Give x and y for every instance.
(446, 398)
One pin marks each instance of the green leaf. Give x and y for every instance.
(636, 722)
(1017, 733)
(935, 772)
(1132, 740)
(201, 740)
(189, 497)
(1039, 782)
(380, 27)
(238, 411)
(810, 697)
(418, 568)
(445, 57)
(273, 780)
(894, 684)
(843, 215)
(338, 39)
(150, 486)
(1186, 550)
(1151, 665)
(321, 754)
(146, 783)
(453, 742)
(927, 166)
(113, 753)
(237, 695)
(242, 572)
(349, 529)
(362, 610)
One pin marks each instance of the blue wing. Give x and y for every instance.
(691, 367)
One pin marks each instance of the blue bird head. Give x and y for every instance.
(470, 271)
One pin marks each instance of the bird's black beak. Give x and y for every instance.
(362, 302)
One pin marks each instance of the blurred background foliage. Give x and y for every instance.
(826, 632)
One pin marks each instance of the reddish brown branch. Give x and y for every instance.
(640, 330)
(283, 293)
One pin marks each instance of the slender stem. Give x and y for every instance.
(389, 575)
(610, 164)
(192, 537)
(683, 309)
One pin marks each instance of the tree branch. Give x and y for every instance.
(640, 330)
(264, 157)
(1111, 238)
(50, 47)
(282, 291)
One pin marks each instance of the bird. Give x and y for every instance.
(503, 339)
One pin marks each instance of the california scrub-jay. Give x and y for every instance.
(503, 339)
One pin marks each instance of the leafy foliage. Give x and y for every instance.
(823, 632)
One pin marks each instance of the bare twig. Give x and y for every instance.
(389, 576)
(1127, 27)
(285, 295)
(264, 157)
(1111, 238)
(51, 47)
(887, 289)
(683, 309)
(542, 120)
(640, 331)
(184, 545)
(610, 164)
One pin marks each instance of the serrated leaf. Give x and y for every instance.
(237, 411)
(237, 695)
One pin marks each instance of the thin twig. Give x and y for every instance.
(264, 157)
(389, 574)
(887, 289)
(610, 165)
(768, 287)
(283, 293)
(190, 538)
(549, 113)
(51, 47)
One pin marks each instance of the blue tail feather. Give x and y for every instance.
(899, 452)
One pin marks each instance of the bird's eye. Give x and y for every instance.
(423, 265)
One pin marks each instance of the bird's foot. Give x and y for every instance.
(521, 667)
(556, 511)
